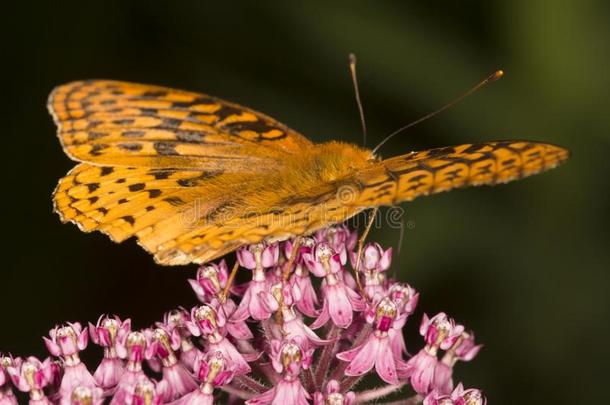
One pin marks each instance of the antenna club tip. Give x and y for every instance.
(352, 58)
(497, 75)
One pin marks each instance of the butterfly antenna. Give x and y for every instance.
(352, 69)
(492, 78)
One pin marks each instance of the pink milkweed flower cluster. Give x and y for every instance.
(314, 320)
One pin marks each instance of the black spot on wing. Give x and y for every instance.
(170, 123)
(131, 147)
(189, 136)
(165, 148)
(194, 181)
(92, 187)
(136, 187)
(96, 148)
(129, 219)
(133, 134)
(175, 201)
(153, 193)
(195, 101)
(106, 170)
(160, 174)
(124, 121)
(154, 94)
(93, 135)
(227, 111)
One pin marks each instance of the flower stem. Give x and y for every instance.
(237, 392)
(414, 400)
(376, 393)
(251, 384)
(310, 381)
(338, 373)
(326, 356)
(349, 382)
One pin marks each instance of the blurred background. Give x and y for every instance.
(525, 265)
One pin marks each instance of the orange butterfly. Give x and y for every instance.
(194, 177)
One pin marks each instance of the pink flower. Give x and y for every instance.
(176, 320)
(105, 334)
(339, 237)
(376, 350)
(136, 347)
(405, 298)
(179, 380)
(471, 396)
(259, 256)
(300, 277)
(438, 332)
(464, 349)
(373, 264)
(211, 370)
(459, 396)
(206, 322)
(436, 398)
(147, 392)
(256, 258)
(211, 280)
(333, 396)
(340, 301)
(31, 375)
(287, 358)
(261, 350)
(66, 342)
(6, 393)
(85, 396)
(282, 298)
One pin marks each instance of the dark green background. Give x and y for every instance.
(525, 265)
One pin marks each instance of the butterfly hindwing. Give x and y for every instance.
(127, 201)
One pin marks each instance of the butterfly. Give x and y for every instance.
(193, 177)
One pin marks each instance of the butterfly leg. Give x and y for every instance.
(225, 292)
(361, 246)
(293, 257)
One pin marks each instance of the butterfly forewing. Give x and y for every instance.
(406, 177)
(126, 124)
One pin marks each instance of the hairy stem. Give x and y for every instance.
(237, 392)
(250, 383)
(326, 356)
(376, 393)
(414, 400)
(268, 371)
(338, 373)
(310, 382)
(349, 382)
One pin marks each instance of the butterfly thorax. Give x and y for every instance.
(332, 161)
